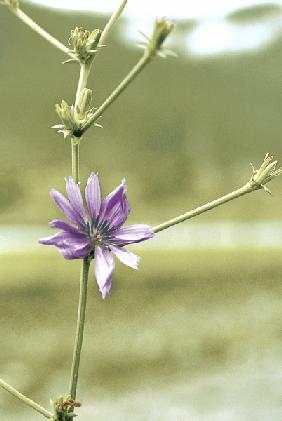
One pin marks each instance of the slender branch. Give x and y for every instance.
(109, 26)
(25, 400)
(80, 327)
(44, 34)
(145, 59)
(248, 188)
(266, 172)
(75, 159)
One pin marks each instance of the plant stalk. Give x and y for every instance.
(111, 22)
(83, 79)
(75, 144)
(25, 400)
(40, 31)
(248, 188)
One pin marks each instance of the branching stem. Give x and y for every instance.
(145, 59)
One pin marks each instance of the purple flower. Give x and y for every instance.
(97, 231)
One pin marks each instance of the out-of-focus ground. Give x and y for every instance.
(192, 335)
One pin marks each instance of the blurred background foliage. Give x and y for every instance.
(183, 133)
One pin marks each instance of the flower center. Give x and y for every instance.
(95, 237)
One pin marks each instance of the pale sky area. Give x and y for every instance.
(212, 34)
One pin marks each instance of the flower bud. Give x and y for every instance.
(73, 117)
(265, 173)
(84, 43)
(84, 103)
(13, 4)
(161, 31)
(154, 44)
(65, 113)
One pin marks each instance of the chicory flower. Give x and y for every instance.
(97, 231)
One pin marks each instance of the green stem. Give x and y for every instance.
(25, 400)
(83, 79)
(75, 143)
(79, 327)
(145, 59)
(248, 188)
(111, 23)
(44, 34)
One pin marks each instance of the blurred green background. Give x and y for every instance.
(195, 334)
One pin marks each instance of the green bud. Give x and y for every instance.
(84, 43)
(65, 113)
(265, 173)
(161, 31)
(154, 44)
(73, 117)
(13, 4)
(84, 103)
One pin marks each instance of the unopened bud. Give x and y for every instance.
(84, 43)
(153, 45)
(265, 173)
(13, 4)
(65, 113)
(73, 117)
(84, 102)
(161, 31)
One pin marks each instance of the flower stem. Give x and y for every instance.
(25, 400)
(79, 327)
(266, 172)
(248, 188)
(44, 34)
(75, 143)
(145, 59)
(111, 22)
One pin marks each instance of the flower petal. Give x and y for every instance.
(58, 223)
(114, 208)
(126, 257)
(65, 207)
(72, 246)
(93, 195)
(104, 267)
(132, 234)
(119, 214)
(78, 252)
(75, 199)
